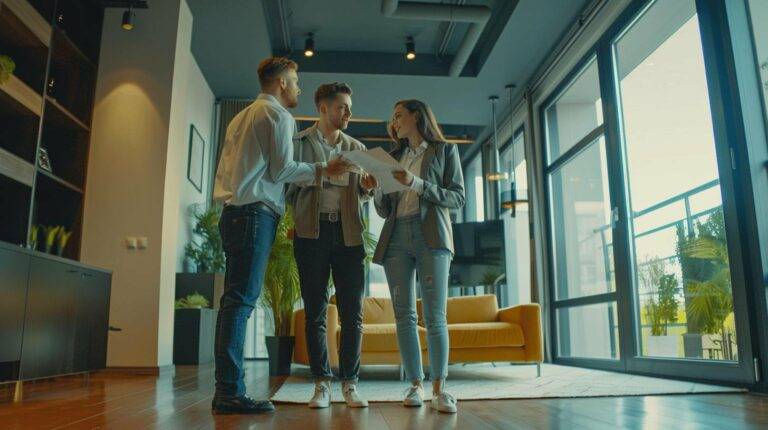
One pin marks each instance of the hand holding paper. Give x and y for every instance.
(380, 165)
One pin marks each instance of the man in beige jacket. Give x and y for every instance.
(329, 241)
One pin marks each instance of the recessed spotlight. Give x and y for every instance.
(410, 48)
(309, 45)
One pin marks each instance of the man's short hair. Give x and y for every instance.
(329, 91)
(271, 69)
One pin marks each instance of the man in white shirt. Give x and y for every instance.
(256, 163)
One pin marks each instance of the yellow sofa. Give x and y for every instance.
(478, 331)
(379, 334)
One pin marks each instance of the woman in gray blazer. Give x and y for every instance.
(417, 238)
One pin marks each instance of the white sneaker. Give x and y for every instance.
(322, 396)
(444, 402)
(414, 396)
(352, 397)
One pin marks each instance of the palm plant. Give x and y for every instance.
(707, 274)
(710, 300)
(281, 279)
(207, 252)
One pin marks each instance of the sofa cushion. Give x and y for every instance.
(485, 335)
(469, 309)
(378, 310)
(383, 338)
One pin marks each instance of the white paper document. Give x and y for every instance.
(378, 163)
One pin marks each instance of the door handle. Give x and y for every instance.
(614, 216)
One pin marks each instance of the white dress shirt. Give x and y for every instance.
(408, 203)
(330, 194)
(257, 157)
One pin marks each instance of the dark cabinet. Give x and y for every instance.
(91, 323)
(49, 328)
(66, 321)
(14, 268)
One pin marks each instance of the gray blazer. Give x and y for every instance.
(305, 197)
(443, 190)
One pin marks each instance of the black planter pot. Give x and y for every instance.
(280, 351)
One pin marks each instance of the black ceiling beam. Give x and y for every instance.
(125, 4)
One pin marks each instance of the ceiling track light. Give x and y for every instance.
(128, 18)
(309, 45)
(410, 48)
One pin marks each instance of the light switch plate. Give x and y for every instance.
(143, 242)
(130, 242)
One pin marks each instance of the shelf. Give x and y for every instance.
(57, 203)
(70, 49)
(15, 168)
(64, 117)
(15, 199)
(22, 95)
(27, 16)
(59, 180)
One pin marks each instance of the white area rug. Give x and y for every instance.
(476, 382)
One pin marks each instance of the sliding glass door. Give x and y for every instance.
(642, 266)
(584, 293)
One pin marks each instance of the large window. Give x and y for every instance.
(681, 262)
(517, 239)
(474, 188)
(580, 220)
(758, 10)
(643, 272)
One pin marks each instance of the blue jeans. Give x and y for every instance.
(247, 234)
(406, 255)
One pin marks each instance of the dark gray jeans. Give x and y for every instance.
(317, 259)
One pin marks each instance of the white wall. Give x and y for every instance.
(197, 101)
(146, 84)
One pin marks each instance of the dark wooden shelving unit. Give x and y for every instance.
(54, 312)
(47, 104)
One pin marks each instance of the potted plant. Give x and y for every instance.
(279, 295)
(193, 330)
(705, 266)
(660, 312)
(206, 254)
(7, 66)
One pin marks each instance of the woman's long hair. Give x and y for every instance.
(426, 123)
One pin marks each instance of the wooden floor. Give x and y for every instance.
(182, 401)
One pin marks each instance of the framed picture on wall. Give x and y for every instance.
(196, 161)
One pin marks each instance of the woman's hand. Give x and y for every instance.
(368, 182)
(404, 177)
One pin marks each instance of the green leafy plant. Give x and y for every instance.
(281, 280)
(206, 249)
(193, 301)
(63, 239)
(7, 67)
(50, 233)
(34, 236)
(490, 277)
(662, 309)
(707, 276)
